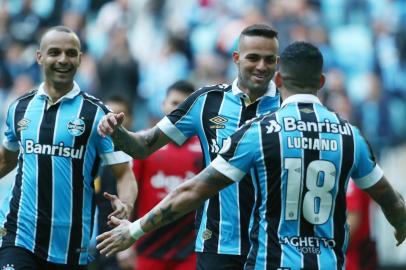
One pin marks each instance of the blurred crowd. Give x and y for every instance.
(137, 48)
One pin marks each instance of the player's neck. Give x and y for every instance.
(253, 94)
(56, 91)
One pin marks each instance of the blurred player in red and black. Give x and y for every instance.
(361, 253)
(170, 247)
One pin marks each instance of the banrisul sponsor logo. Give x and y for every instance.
(59, 150)
(291, 124)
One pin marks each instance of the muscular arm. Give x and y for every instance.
(392, 204)
(127, 187)
(185, 198)
(8, 161)
(139, 145)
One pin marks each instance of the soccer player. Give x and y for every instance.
(46, 222)
(213, 113)
(170, 247)
(301, 159)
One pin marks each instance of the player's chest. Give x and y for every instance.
(58, 123)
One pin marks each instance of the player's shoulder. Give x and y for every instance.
(29, 95)
(216, 88)
(95, 101)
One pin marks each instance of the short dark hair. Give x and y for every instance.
(60, 28)
(301, 65)
(122, 99)
(259, 30)
(181, 86)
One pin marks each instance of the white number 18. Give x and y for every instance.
(318, 200)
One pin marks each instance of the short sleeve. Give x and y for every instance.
(10, 141)
(181, 123)
(237, 155)
(105, 147)
(366, 171)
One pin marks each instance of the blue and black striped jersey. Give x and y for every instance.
(50, 208)
(214, 113)
(301, 158)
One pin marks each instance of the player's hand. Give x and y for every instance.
(109, 123)
(126, 259)
(115, 240)
(400, 234)
(121, 210)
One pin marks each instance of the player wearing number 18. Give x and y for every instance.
(301, 158)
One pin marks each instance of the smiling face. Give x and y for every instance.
(256, 60)
(59, 55)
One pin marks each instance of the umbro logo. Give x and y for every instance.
(23, 124)
(218, 122)
(273, 127)
(306, 110)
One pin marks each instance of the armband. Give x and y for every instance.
(135, 230)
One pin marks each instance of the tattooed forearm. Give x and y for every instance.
(131, 143)
(151, 219)
(159, 217)
(168, 214)
(151, 137)
(214, 179)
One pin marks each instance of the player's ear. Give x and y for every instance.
(322, 81)
(38, 56)
(278, 79)
(236, 57)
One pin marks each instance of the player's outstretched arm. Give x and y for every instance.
(393, 206)
(139, 145)
(8, 161)
(127, 190)
(185, 198)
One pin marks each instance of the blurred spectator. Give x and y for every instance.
(374, 118)
(334, 94)
(117, 70)
(25, 24)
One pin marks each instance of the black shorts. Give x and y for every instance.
(213, 261)
(18, 258)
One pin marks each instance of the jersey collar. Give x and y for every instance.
(70, 95)
(238, 92)
(301, 98)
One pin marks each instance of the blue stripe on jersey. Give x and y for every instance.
(45, 182)
(201, 220)
(270, 169)
(16, 112)
(61, 214)
(213, 102)
(340, 217)
(229, 197)
(6, 202)
(306, 227)
(327, 255)
(26, 237)
(80, 224)
(88, 190)
(289, 228)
